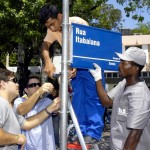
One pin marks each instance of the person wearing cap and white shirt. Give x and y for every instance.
(130, 120)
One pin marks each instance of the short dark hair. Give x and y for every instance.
(48, 11)
(6, 74)
(32, 76)
(140, 67)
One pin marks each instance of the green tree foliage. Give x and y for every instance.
(134, 8)
(97, 13)
(20, 28)
(107, 17)
(19, 22)
(142, 28)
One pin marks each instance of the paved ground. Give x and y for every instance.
(104, 144)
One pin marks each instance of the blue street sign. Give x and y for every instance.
(94, 45)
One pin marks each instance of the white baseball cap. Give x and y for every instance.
(134, 54)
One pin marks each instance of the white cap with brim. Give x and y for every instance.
(134, 54)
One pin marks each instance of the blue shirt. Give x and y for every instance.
(42, 136)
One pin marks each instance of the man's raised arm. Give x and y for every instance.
(37, 119)
(49, 67)
(27, 105)
(104, 98)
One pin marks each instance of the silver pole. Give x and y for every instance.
(64, 83)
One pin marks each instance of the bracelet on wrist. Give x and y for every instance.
(49, 113)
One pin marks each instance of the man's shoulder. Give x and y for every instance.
(4, 103)
(77, 20)
(2, 100)
(49, 31)
(18, 101)
(51, 36)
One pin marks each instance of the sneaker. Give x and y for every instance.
(90, 140)
(69, 140)
(73, 139)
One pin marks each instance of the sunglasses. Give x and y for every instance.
(13, 80)
(33, 85)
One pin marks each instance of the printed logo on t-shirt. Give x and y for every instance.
(122, 112)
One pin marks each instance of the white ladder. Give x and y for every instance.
(76, 125)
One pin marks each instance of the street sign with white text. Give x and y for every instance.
(94, 45)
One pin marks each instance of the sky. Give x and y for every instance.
(129, 22)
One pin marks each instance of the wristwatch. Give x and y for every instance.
(49, 113)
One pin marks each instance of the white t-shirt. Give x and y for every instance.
(8, 122)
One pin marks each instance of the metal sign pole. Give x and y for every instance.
(64, 70)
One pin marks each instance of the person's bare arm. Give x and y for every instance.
(49, 67)
(28, 104)
(8, 138)
(97, 74)
(37, 119)
(105, 100)
(133, 139)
